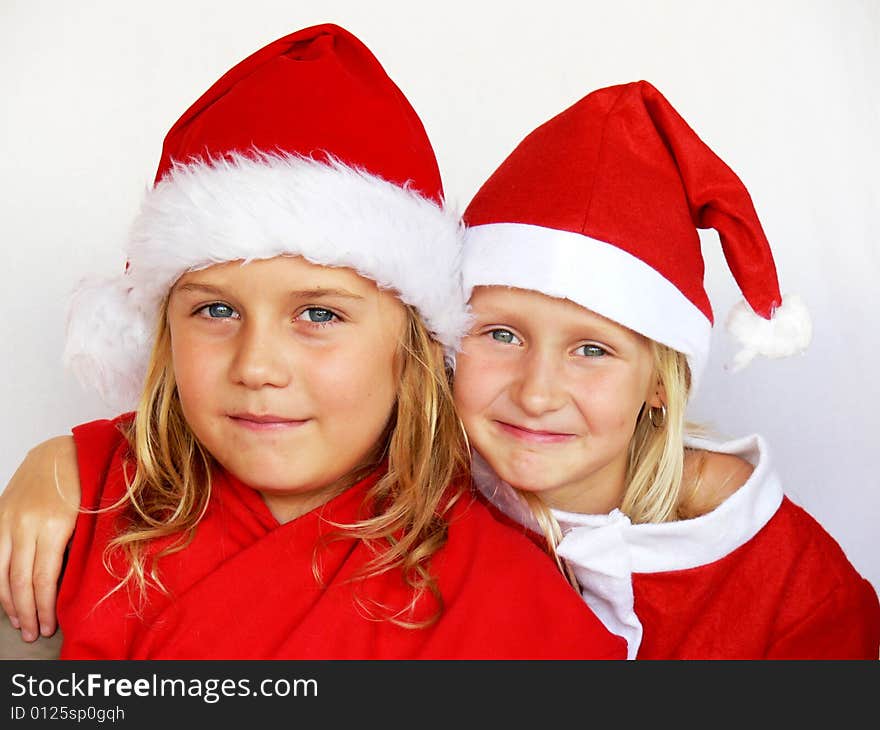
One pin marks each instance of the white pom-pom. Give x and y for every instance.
(108, 340)
(787, 333)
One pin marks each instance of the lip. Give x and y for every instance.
(265, 421)
(534, 436)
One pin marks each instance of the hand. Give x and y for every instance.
(38, 510)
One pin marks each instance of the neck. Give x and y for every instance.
(288, 507)
(599, 493)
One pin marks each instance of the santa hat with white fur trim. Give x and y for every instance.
(306, 148)
(600, 205)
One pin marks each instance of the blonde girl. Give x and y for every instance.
(291, 481)
(583, 266)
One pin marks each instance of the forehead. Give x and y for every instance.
(284, 272)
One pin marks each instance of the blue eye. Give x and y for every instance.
(317, 315)
(218, 310)
(591, 351)
(505, 336)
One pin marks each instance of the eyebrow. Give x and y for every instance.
(318, 293)
(295, 293)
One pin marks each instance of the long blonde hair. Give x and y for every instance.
(428, 468)
(653, 483)
(655, 463)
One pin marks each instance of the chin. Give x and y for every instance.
(265, 477)
(527, 480)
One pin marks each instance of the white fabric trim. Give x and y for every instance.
(260, 207)
(597, 275)
(685, 544)
(606, 577)
(605, 550)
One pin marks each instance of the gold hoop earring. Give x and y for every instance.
(653, 419)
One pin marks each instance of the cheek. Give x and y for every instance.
(610, 403)
(192, 365)
(475, 384)
(356, 385)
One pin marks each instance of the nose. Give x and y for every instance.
(538, 389)
(260, 357)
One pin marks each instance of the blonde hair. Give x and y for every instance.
(424, 445)
(655, 463)
(653, 490)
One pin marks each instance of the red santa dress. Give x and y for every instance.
(756, 578)
(244, 588)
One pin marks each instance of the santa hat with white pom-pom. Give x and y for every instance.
(306, 147)
(601, 205)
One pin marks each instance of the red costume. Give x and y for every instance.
(755, 578)
(244, 588)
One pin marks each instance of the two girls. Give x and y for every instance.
(591, 330)
(293, 481)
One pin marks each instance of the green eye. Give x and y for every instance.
(505, 336)
(591, 351)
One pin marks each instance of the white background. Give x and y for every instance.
(787, 92)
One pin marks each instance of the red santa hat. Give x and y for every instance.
(601, 205)
(307, 148)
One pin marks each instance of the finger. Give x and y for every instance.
(21, 579)
(47, 570)
(5, 589)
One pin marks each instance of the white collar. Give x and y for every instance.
(701, 540)
(669, 545)
(605, 550)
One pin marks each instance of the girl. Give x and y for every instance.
(293, 481)
(584, 271)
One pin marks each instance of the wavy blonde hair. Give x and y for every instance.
(428, 468)
(654, 478)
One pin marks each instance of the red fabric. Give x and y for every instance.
(316, 91)
(789, 593)
(622, 166)
(244, 587)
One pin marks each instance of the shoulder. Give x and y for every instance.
(709, 478)
(502, 552)
(99, 444)
(794, 549)
(819, 576)
(813, 544)
(102, 434)
(493, 569)
(475, 518)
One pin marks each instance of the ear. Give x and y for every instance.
(657, 395)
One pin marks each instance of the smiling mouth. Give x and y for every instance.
(533, 436)
(265, 422)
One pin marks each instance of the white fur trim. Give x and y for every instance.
(786, 333)
(260, 207)
(685, 544)
(594, 274)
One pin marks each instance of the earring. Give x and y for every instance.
(654, 420)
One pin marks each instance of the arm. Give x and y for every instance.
(38, 510)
